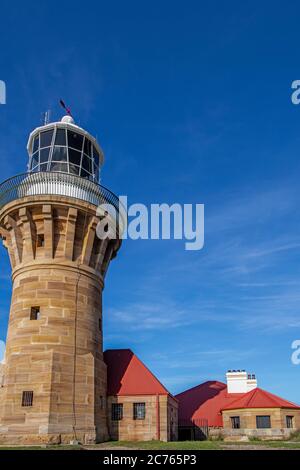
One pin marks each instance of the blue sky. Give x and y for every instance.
(191, 104)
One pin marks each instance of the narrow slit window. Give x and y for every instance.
(40, 240)
(100, 324)
(35, 313)
(27, 398)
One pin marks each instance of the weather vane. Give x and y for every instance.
(68, 110)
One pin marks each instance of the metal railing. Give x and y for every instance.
(59, 184)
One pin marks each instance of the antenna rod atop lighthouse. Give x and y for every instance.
(47, 117)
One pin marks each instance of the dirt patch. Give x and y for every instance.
(250, 447)
(107, 446)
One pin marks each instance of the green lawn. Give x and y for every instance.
(202, 445)
(157, 445)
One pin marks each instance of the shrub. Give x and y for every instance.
(295, 436)
(254, 438)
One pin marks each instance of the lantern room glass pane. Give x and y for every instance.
(43, 167)
(44, 155)
(74, 157)
(57, 166)
(75, 140)
(96, 156)
(46, 138)
(84, 173)
(87, 164)
(35, 160)
(87, 147)
(60, 138)
(60, 154)
(35, 144)
(74, 169)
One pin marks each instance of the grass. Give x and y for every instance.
(202, 445)
(158, 445)
(48, 447)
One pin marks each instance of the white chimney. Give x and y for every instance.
(239, 381)
(251, 382)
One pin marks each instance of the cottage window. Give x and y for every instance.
(139, 410)
(235, 422)
(263, 422)
(289, 421)
(117, 411)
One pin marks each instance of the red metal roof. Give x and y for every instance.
(127, 375)
(207, 400)
(259, 398)
(204, 401)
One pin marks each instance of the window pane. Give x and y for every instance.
(34, 159)
(263, 422)
(235, 422)
(27, 398)
(44, 155)
(35, 144)
(46, 138)
(96, 171)
(74, 157)
(84, 173)
(56, 166)
(74, 169)
(75, 140)
(87, 164)
(139, 410)
(96, 156)
(59, 154)
(43, 167)
(60, 138)
(289, 421)
(87, 147)
(117, 411)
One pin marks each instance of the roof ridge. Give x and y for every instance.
(201, 385)
(270, 396)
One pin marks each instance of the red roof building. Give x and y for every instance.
(139, 406)
(255, 412)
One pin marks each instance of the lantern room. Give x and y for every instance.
(64, 147)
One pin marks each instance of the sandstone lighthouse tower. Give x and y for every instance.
(53, 381)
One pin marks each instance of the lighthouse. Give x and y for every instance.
(53, 380)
